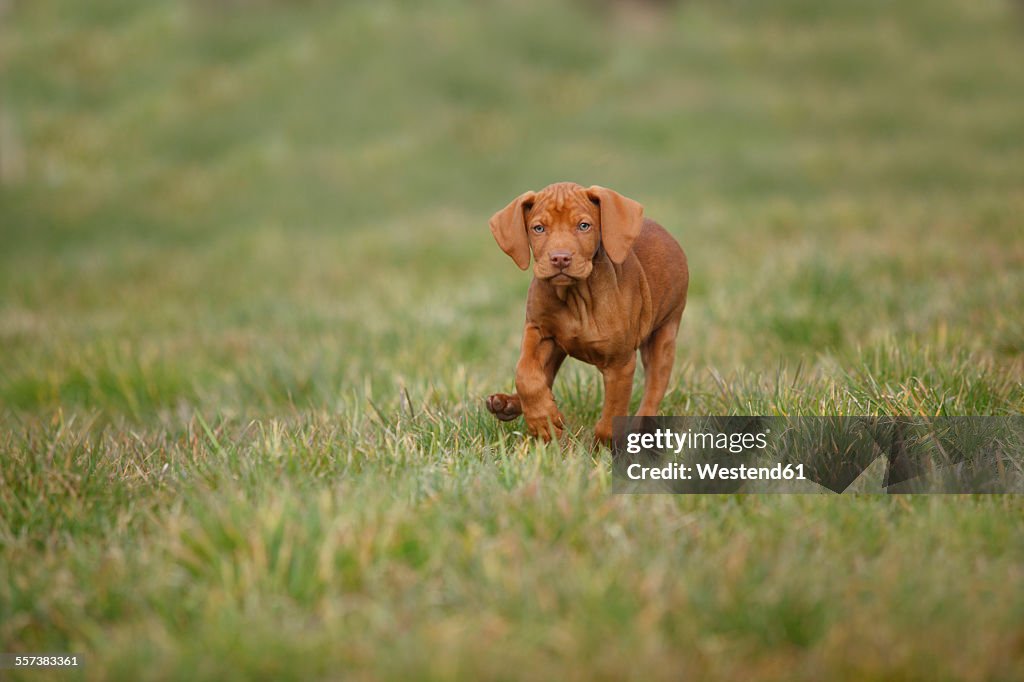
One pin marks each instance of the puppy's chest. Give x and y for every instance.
(589, 335)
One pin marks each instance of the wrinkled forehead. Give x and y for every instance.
(562, 201)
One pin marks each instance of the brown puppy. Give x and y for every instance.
(606, 281)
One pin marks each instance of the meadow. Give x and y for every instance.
(250, 309)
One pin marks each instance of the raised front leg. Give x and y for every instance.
(533, 386)
(618, 388)
(507, 406)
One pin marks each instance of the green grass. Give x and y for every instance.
(250, 308)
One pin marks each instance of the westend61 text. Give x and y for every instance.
(716, 472)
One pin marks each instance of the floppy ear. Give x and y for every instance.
(509, 229)
(621, 220)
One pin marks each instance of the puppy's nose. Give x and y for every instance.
(561, 259)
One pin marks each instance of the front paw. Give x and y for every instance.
(546, 427)
(503, 406)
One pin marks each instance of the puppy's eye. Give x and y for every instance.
(583, 227)
(539, 229)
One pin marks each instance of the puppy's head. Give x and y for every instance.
(566, 226)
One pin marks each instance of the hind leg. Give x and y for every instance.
(506, 407)
(658, 353)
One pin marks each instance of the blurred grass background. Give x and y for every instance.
(249, 308)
